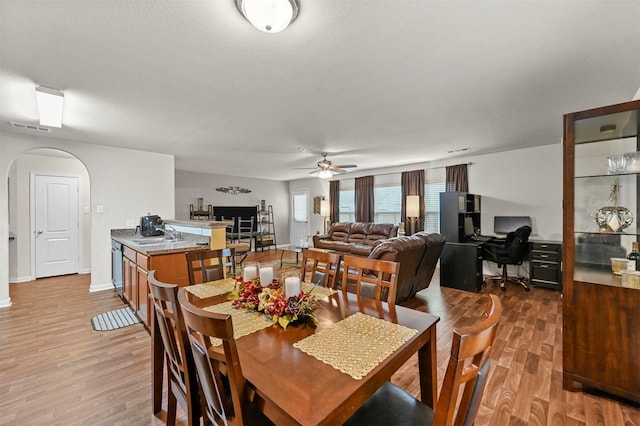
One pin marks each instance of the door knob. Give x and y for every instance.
(38, 232)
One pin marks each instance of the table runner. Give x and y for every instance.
(363, 343)
(211, 288)
(244, 322)
(318, 291)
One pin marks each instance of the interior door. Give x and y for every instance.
(56, 225)
(300, 215)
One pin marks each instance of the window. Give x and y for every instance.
(347, 210)
(432, 192)
(300, 207)
(387, 204)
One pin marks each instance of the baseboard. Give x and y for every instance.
(20, 279)
(85, 271)
(101, 287)
(5, 303)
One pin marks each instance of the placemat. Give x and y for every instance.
(357, 344)
(317, 290)
(244, 322)
(211, 288)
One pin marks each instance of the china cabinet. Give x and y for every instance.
(601, 310)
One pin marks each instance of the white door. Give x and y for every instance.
(56, 226)
(300, 214)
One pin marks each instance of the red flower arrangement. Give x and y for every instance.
(270, 300)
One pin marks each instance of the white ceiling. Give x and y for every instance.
(376, 82)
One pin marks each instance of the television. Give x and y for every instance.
(506, 224)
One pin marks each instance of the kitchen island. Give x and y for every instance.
(166, 256)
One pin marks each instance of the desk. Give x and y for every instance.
(461, 265)
(296, 388)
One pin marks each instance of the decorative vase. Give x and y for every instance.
(613, 219)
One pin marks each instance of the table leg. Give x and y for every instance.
(428, 370)
(157, 366)
(281, 257)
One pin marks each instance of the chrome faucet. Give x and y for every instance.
(169, 232)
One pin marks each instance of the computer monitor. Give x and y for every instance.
(506, 224)
(468, 227)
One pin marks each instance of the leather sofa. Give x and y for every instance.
(357, 238)
(418, 256)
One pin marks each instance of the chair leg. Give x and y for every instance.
(503, 280)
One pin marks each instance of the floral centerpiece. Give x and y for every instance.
(272, 301)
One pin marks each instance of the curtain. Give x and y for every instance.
(334, 201)
(413, 184)
(364, 199)
(457, 179)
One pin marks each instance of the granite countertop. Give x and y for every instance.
(189, 242)
(206, 224)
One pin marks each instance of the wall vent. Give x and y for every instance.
(30, 127)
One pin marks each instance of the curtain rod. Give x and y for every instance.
(426, 168)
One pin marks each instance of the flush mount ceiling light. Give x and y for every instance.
(270, 16)
(50, 103)
(607, 128)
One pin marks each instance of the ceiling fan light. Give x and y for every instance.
(270, 16)
(325, 174)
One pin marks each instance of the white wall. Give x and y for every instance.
(189, 186)
(522, 182)
(127, 183)
(19, 223)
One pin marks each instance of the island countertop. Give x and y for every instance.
(189, 242)
(206, 224)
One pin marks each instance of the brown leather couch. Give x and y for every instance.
(357, 238)
(418, 256)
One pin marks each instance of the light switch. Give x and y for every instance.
(86, 209)
(99, 208)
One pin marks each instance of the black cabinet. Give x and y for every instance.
(461, 266)
(545, 264)
(459, 215)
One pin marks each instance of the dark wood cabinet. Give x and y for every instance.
(601, 310)
(545, 264)
(461, 266)
(456, 208)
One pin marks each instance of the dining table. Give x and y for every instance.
(293, 385)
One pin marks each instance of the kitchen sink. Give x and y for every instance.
(155, 241)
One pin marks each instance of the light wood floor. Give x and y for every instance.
(56, 370)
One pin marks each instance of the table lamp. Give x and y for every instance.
(413, 211)
(325, 212)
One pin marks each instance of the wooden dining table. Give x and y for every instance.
(293, 387)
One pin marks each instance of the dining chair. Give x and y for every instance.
(372, 278)
(201, 327)
(467, 371)
(209, 265)
(245, 229)
(322, 267)
(182, 383)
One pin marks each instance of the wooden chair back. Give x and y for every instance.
(322, 267)
(182, 382)
(201, 326)
(209, 265)
(470, 351)
(380, 277)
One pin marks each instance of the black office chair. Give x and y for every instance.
(510, 251)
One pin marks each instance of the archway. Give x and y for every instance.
(50, 162)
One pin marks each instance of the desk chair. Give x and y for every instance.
(467, 370)
(510, 251)
(209, 265)
(201, 326)
(181, 372)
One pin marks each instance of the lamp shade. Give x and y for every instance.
(324, 208)
(413, 206)
(270, 16)
(325, 174)
(50, 102)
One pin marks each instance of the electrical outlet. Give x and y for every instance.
(99, 208)
(131, 222)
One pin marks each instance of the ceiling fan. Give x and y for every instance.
(326, 168)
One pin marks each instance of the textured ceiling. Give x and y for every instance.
(376, 82)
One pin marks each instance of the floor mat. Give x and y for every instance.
(115, 319)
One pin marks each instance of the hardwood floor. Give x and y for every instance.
(56, 370)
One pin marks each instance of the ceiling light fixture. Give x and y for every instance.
(50, 103)
(607, 128)
(325, 174)
(270, 16)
